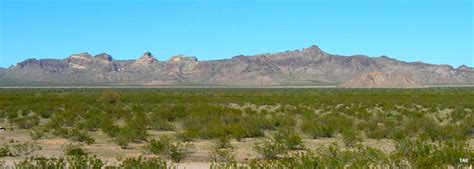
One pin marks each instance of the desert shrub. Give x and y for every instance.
(4, 151)
(448, 132)
(122, 141)
(223, 142)
(170, 113)
(73, 134)
(110, 129)
(222, 150)
(358, 157)
(26, 122)
(423, 124)
(140, 162)
(93, 120)
(378, 127)
(329, 156)
(81, 136)
(269, 148)
(450, 152)
(75, 150)
(123, 135)
(222, 155)
(351, 137)
(420, 153)
(161, 145)
(364, 156)
(237, 131)
(15, 149)
(42, 162)
(458, 114)
(110, 96)
(84, 161)
(188, 135)
(12, 115)
(281, 121)
(53, 162)
(165, 146)
(136, 127)
(316, 130)
(38, 133)
(324, 125)
(161, 125)
(289, 138)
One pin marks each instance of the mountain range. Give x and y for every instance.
(308, 66)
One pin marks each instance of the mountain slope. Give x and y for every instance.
(379, 80)
(309, 66)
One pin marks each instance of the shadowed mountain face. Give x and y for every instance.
(309, 66)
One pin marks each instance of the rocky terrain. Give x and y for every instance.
(379, 80)
(309, 66)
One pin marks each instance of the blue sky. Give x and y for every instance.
(432, 31)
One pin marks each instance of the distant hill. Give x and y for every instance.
(379, 80)
(309, 66)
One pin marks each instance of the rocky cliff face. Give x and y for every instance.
(309, 66)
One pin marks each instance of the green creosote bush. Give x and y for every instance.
(110, 96)
(223, 155)
(351, 137)
(16, 149)
(75, 150)
(38, 133)
(269, 148)
(144, 163)
(188, 135)
(420, 153)
(329, 156)
(174, 150)
(42, 162)
(81, 136)
(123, 135)
(222, 150)
(61, 162)
(84, 161)
(289, 138)
(323, 126)
(26, 122)
(4, 151)
(223, 142)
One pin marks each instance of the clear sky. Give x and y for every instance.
(432, 31)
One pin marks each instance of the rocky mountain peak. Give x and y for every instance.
(464, 67)
(146, 59)
(104, 56)
(27, 62)
(81, 57)
(183, 58)
(82, 54)
(147, 55)
(307, 66)
(313, 48)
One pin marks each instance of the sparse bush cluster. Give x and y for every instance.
(91, 162)
(174, 150)
(441, 120)
(16, 149)
(278, 144)
(409, 153)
